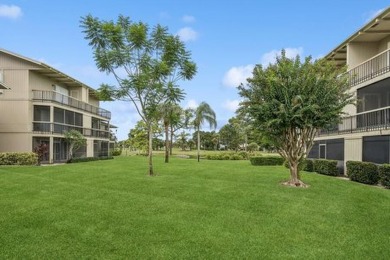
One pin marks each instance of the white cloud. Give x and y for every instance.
(187, 34)
(10, 11)
(372, 14)
(231, 105)
(270, 57)
(188, 19)
(237, 75)
(192, 104)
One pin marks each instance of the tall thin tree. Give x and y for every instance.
(147, 64)
(203, 113)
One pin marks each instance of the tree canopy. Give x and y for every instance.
(289, 101)
(75, 140)
(203, 113)
(146, 63)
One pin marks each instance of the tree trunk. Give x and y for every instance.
(294, 172)
(198, 145)
(166, 143)
(295, 178)
(171, 142)
(70, 155)
(150, 152)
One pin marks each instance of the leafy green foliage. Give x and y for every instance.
(252, 147)
(384, 175)
(326, 167)
(363, 172)
(230, 135)
(138, 137)
(290, 100)
(76, 140)
(89, 159)
(266, 160)
(203, 113)
(228, 156)
(18, 158)
(154, 62)
(309, 165)
(208, 140)
(116, 152)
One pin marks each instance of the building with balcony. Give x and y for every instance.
(363, 134)
(39, 103)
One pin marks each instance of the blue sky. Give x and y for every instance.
(226, 39)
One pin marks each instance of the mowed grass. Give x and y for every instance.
(207, 210)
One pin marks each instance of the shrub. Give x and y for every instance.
(363, 172)
(18, 158)
(309, 165)
(116, 152)
(253, 147)
(235, 157)
(266, 160)
(244, 155)
(327, 167)
(89, 159)
(384, 175)
(302, 165)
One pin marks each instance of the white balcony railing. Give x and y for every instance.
(69, 101)
(378, 119)
(374, 67)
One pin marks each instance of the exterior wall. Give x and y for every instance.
(17, 107)
(15, 142)
(384, 44)
(39, 82)
(90, 151)
(353, 149)
(359, 52)
(11, 62)
(93, 101)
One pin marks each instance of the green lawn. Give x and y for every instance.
(207, 210)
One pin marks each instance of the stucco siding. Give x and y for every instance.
(15, 142)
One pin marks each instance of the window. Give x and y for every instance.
(78, 119)
(59, 115)
(69, 117)
(65, 119)
(42, 113)
(95, 123)
(376, 149)
(322, 151)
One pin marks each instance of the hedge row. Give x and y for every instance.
(384, 175)
(89, 159)
(322, 166)
(327, 167)
(266, 160)
(18, 158)
(228, 156)
(369, 173)
(363, 172)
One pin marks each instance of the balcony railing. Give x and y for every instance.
(374, 67)
(378, 119)
(69, 101)
(55, 128)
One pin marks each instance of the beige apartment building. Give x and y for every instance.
(363, 134)
(39, 103)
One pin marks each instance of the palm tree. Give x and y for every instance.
(169, 114)
(203, 113)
